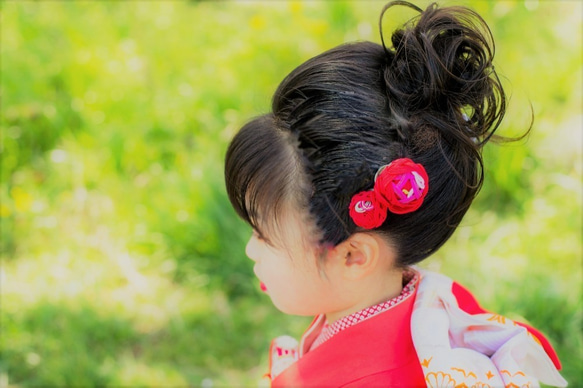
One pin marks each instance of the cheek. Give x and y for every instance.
(296, 292)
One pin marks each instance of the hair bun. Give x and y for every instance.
(440, 65)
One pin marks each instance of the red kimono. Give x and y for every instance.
(383, 350)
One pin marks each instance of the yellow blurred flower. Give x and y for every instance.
(22, 199)
(257, 22)
(319, 27)
(4, 211)
(296, 7)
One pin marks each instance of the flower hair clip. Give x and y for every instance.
(399, 187)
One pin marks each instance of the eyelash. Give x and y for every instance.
(260, 237)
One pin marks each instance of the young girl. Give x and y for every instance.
(366, 165)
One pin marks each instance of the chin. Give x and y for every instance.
(293, 311)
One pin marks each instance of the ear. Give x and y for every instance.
(357, 256)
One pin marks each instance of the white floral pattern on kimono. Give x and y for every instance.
(457, 349)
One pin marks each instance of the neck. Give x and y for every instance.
(373, 292)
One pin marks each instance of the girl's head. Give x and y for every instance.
(431, 95)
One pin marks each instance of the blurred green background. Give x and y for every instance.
(122, 261)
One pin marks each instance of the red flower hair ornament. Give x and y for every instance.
(399, 187)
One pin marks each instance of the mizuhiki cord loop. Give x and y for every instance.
(366, 210)
(400, 187)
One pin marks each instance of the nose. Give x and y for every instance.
(252, 248)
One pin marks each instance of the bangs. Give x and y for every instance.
(261, 174)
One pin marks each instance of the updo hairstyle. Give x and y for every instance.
(432, 96)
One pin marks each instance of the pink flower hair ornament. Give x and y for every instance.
(399, 187)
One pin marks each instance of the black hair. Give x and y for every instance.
(433, 96)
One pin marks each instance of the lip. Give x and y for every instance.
(262, 285)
